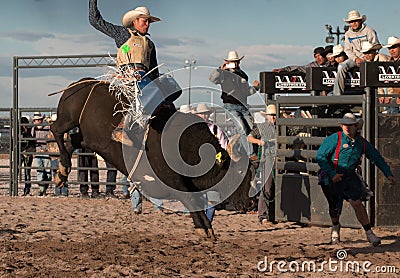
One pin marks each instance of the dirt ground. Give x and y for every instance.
(74, 237)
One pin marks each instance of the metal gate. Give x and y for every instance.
(5, 148)
(41, 62)
(299, 198)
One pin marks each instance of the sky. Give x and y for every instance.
(269, 33)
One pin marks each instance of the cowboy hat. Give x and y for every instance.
(128, 17)
(337, 50)
(202, 108)
(270, 110)
(367, 46)
(233, 56)
(392, 41)
(53, 117)
(37, 116)
(355, 15)
(350, 119)
(185, 108)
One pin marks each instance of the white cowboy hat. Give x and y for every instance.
(367, 46)
(185, 108)
(233, 56)
(202, 108)
(128, 17)
(270, 110)
(37, 116)
(53, 117)
(392, 41)
(337, 49)
(351, 119)
(355, 15)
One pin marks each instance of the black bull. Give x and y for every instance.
(89, 105)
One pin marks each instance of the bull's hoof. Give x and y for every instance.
(206, 234)
(63, 170)
(59, 180)
(211, 234)
(201, 232)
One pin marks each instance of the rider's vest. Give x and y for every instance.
(134, 51)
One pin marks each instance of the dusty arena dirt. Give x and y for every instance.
(74, 237)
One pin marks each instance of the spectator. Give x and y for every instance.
(88, 161)
(354, 36)
(341, 182)
(54, 154)
(137, 199)
(235, 90)
(394, 51)
(41, 159)
(185, 108)
(125, 187)
(371, 55)
(339, 54)
(320, 61)
(266, 205)
(26, 159)
(329, 56)
(204, 112)
(111, 180)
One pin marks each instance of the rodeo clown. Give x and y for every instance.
(136, 55)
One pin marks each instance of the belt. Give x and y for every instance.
(346, 171)
(135, 66)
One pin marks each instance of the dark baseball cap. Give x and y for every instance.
(320, 50)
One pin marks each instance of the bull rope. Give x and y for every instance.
(77, 83)
(87, 99)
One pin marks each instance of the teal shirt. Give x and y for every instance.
(349, 155)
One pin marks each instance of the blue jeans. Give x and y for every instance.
(151, 94)
(136, 200)
(343, 68)
(241, 116)
(125, 186)
(212, 198)
(157, 203)
(43, 174)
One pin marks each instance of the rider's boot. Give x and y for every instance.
(131, 137)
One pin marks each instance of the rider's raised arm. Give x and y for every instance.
(119, 33)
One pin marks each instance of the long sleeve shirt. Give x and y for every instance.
(313, 64)
(234, 85)
(121, 34)
(353, 40)
(349, 155)
(219, 134)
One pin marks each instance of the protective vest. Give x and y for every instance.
(134, 51)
